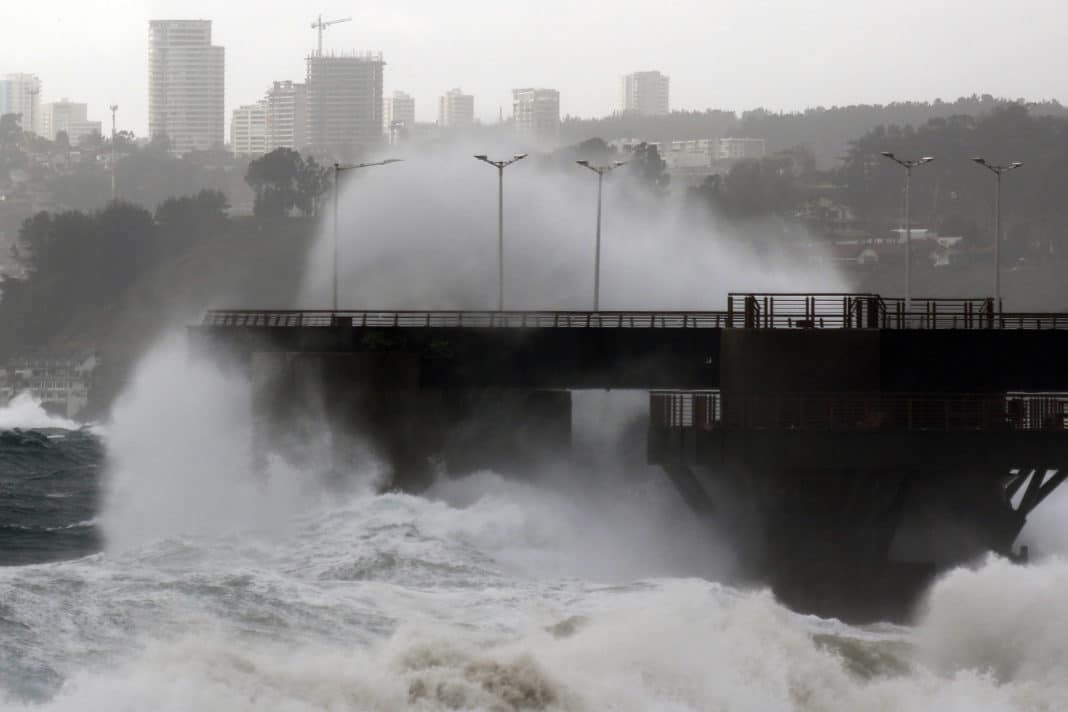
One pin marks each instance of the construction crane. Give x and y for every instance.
(320, 25)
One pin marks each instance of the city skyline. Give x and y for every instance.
(753, 64)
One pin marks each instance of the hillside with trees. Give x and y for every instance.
(824, 131)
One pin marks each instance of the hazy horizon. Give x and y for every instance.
(721, 55)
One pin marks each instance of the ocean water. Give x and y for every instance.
(149, 568)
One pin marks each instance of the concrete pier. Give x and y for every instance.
(872, 445)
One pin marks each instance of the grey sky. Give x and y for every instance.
(740, 54)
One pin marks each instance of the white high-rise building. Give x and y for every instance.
(344, 102)
(68, 117)
(398, 117)
(186, 85)
(248, 130)
(456, 109)
(21, 94)
(536, 113)
(287, 116)
(646, 93)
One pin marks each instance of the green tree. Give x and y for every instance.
(283, 181)
(10, 129)
(274, 178)
(190, 219)
(312, 181)
(647, 169)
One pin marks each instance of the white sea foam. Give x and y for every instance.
(26, 412)
(390, 602)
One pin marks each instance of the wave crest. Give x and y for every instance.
(26, 412)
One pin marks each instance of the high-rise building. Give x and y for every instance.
(456, 109)
(398, 117)
(68, 117)
(248, 130)
(344, 101)
(287, 116)
(186, 85)
(536, 113)
(646, 93)
(21, 94)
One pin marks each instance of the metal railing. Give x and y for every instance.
(708, 410)
(744, 311)
(469, 319)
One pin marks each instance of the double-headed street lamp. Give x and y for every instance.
(997, 171)
(908, 166)
(337, 175)
(600, 171)
(500, 166)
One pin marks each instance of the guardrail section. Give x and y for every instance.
(829, 310)
(710, 410)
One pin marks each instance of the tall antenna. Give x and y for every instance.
(320, 26)
(114, 108)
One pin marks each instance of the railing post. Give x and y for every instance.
(730, 311)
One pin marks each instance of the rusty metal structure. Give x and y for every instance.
(849, 446)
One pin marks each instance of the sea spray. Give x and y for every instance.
(180, 457)
(421, 234)
(26, 412)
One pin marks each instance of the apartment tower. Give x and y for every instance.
(287, 116)
(21, 94)
(646, 93)
(186, 85)
(456, 109)
(69, 117)
(248, 130)
(537, 114)
(398, 116)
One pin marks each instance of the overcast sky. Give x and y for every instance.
(780, 54)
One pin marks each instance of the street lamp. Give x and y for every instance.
(500, 166)
(337, 175)
(908, 166)
(600, 171)
(997, 171)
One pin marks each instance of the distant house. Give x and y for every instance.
(919, 234)
(948, 251)
(854, 253)
(60, 383)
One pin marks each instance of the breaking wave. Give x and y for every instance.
(26, 412)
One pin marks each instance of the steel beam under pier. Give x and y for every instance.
(371, 407)
(867, 486)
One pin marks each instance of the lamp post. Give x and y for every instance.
(997, 171)
(337, 175)
(500, 166)
(600, 171)
(908, 166)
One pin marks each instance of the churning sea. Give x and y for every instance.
(145, 568)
